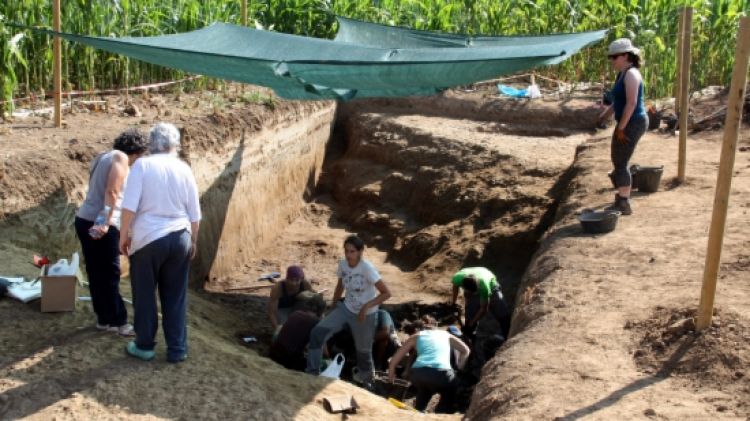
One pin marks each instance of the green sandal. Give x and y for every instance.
(133, 350)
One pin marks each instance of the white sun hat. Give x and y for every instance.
(622, 45)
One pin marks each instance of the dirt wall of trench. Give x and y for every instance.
(254, 184)
(254, 166)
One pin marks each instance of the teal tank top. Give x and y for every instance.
(433, 350)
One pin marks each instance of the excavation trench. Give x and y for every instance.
(431, 184)
(432, 188)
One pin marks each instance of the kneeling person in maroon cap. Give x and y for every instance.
(284, 295)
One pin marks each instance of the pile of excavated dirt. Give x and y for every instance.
(719, 357)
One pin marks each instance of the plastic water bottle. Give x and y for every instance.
(100, 219)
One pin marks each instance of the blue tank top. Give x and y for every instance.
(433, 350)
(620, 98)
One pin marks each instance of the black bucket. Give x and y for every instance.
(633, 173)
(386, 389)
(599, 222)
(648, 179)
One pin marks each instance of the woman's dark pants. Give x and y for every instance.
(429, 381)
(102, 259)
(622, 152)
(162, 264)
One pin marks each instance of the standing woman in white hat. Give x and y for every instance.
(630, 114)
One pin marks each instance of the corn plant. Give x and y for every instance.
(650, 23)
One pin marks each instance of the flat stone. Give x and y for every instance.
(681, 326)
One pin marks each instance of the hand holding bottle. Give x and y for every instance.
(100, 227)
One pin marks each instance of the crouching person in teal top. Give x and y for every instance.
(482, 297)
(432, 371)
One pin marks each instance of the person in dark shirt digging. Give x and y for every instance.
(288, 348)
(284, 295)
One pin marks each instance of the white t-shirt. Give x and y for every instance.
(162, 192)
(359, 282)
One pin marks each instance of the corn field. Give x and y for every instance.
(26, 62)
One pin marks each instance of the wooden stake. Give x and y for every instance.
(724, 180)
(57, 64)
(685, 93)
(678, 79)
(244, 23)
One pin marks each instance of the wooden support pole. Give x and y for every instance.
(732, 125)
(685, 92)
(244, 23)
(57, 64)
(678, 78)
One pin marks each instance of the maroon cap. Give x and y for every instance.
(295, 272)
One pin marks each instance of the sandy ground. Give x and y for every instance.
(594, 334)
(590, 313)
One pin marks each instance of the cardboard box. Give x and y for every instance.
(58, 292)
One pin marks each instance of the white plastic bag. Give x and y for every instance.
(533, 92)
(25, 291)
(333, 371)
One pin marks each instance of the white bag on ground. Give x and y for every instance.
(333, 371)
(533, 92)
(25, 291)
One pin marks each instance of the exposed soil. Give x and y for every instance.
(432, 184)
(718, 357)
(570, 356)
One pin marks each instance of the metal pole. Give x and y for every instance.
(732, 125)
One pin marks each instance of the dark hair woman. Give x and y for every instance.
(365, 291)
(97, 225)
(432, 371)
(630, 113)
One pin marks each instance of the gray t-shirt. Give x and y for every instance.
(98, 176)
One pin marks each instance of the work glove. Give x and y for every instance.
(620, 136)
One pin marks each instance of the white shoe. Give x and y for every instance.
(125, 330)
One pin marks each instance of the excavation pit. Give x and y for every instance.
(431, 187)
(432, 184)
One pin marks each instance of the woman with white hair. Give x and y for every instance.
(630, 114)
(160, 219)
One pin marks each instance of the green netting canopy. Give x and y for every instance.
(364, 60)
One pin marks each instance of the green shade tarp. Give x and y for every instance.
(365, 60)
(376, 35)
